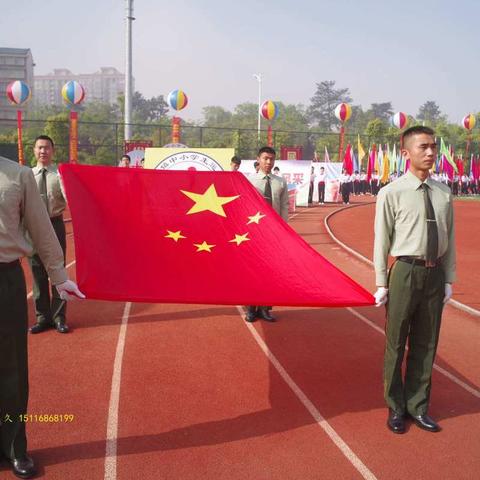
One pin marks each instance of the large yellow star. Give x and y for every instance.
(239, 239)
(208, 201)
(204, 247)
(255, 218)
(174, 235)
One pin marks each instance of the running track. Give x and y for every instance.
(193, 392)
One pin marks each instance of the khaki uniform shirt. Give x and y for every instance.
(401, 224)
(21, 211)
(55, 195)
(279, 191)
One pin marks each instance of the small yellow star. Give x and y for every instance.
(255, 218)
(174, 235)
(239, 239)
(204, 247)
(208, 201)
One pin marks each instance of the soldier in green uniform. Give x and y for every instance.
(22, 212)
(414, 224)
(50, 312)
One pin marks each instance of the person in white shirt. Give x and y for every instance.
(322, 178)
(311, 186)
(345, 186)
(375, 183)
(363, 183)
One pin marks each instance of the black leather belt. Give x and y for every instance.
(419, 262)
(9, 265)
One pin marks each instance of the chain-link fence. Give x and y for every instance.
(102, 143)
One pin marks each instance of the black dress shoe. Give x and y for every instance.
(61, 327)
(251, 315)
(425, 422)
(23, 467)
(396, 421)
(40, 327)
(263, 313)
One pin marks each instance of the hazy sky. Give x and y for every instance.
(406, 51)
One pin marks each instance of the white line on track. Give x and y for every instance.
(112, 422)
(318, 417)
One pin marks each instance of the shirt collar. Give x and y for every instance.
(415, 182)
(261, 174)
(38, 168)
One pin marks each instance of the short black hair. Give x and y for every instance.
(44, 137)
(269, 150)
(417, 130)
(127, 156)
(236, 160)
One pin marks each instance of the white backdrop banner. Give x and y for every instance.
(295, 172)
(333, 171)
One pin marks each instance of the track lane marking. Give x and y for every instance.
(113, 407)
(317, 416)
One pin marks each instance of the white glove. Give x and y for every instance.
(381, 296)
(448, 292)
(68, 290)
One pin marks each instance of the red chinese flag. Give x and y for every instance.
(192, 237)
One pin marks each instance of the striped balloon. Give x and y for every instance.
(343, 112)
(468, 121)
(18, 92)
(73, 93)
(399, 120)
(177, 99)
(269, 110)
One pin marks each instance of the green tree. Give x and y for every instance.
(376, 131)
(429, 113)
(382, 111)
(57, 127)
(321, 111)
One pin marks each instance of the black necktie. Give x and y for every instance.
(43, 187)
(432, 232)
(268, 190)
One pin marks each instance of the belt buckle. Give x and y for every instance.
(430, 264)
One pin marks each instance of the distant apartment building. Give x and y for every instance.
(15, 64)
(103, 86)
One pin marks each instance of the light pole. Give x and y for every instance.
(128, 70)
(258, 77)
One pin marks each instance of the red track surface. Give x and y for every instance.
(200, 400)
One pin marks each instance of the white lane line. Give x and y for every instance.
(322, 423)
(30, 294)
(112, 422)
(452, 302)
(450, 376)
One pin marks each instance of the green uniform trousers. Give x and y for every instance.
(13, 360)
(414, 312)
(46, 307)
